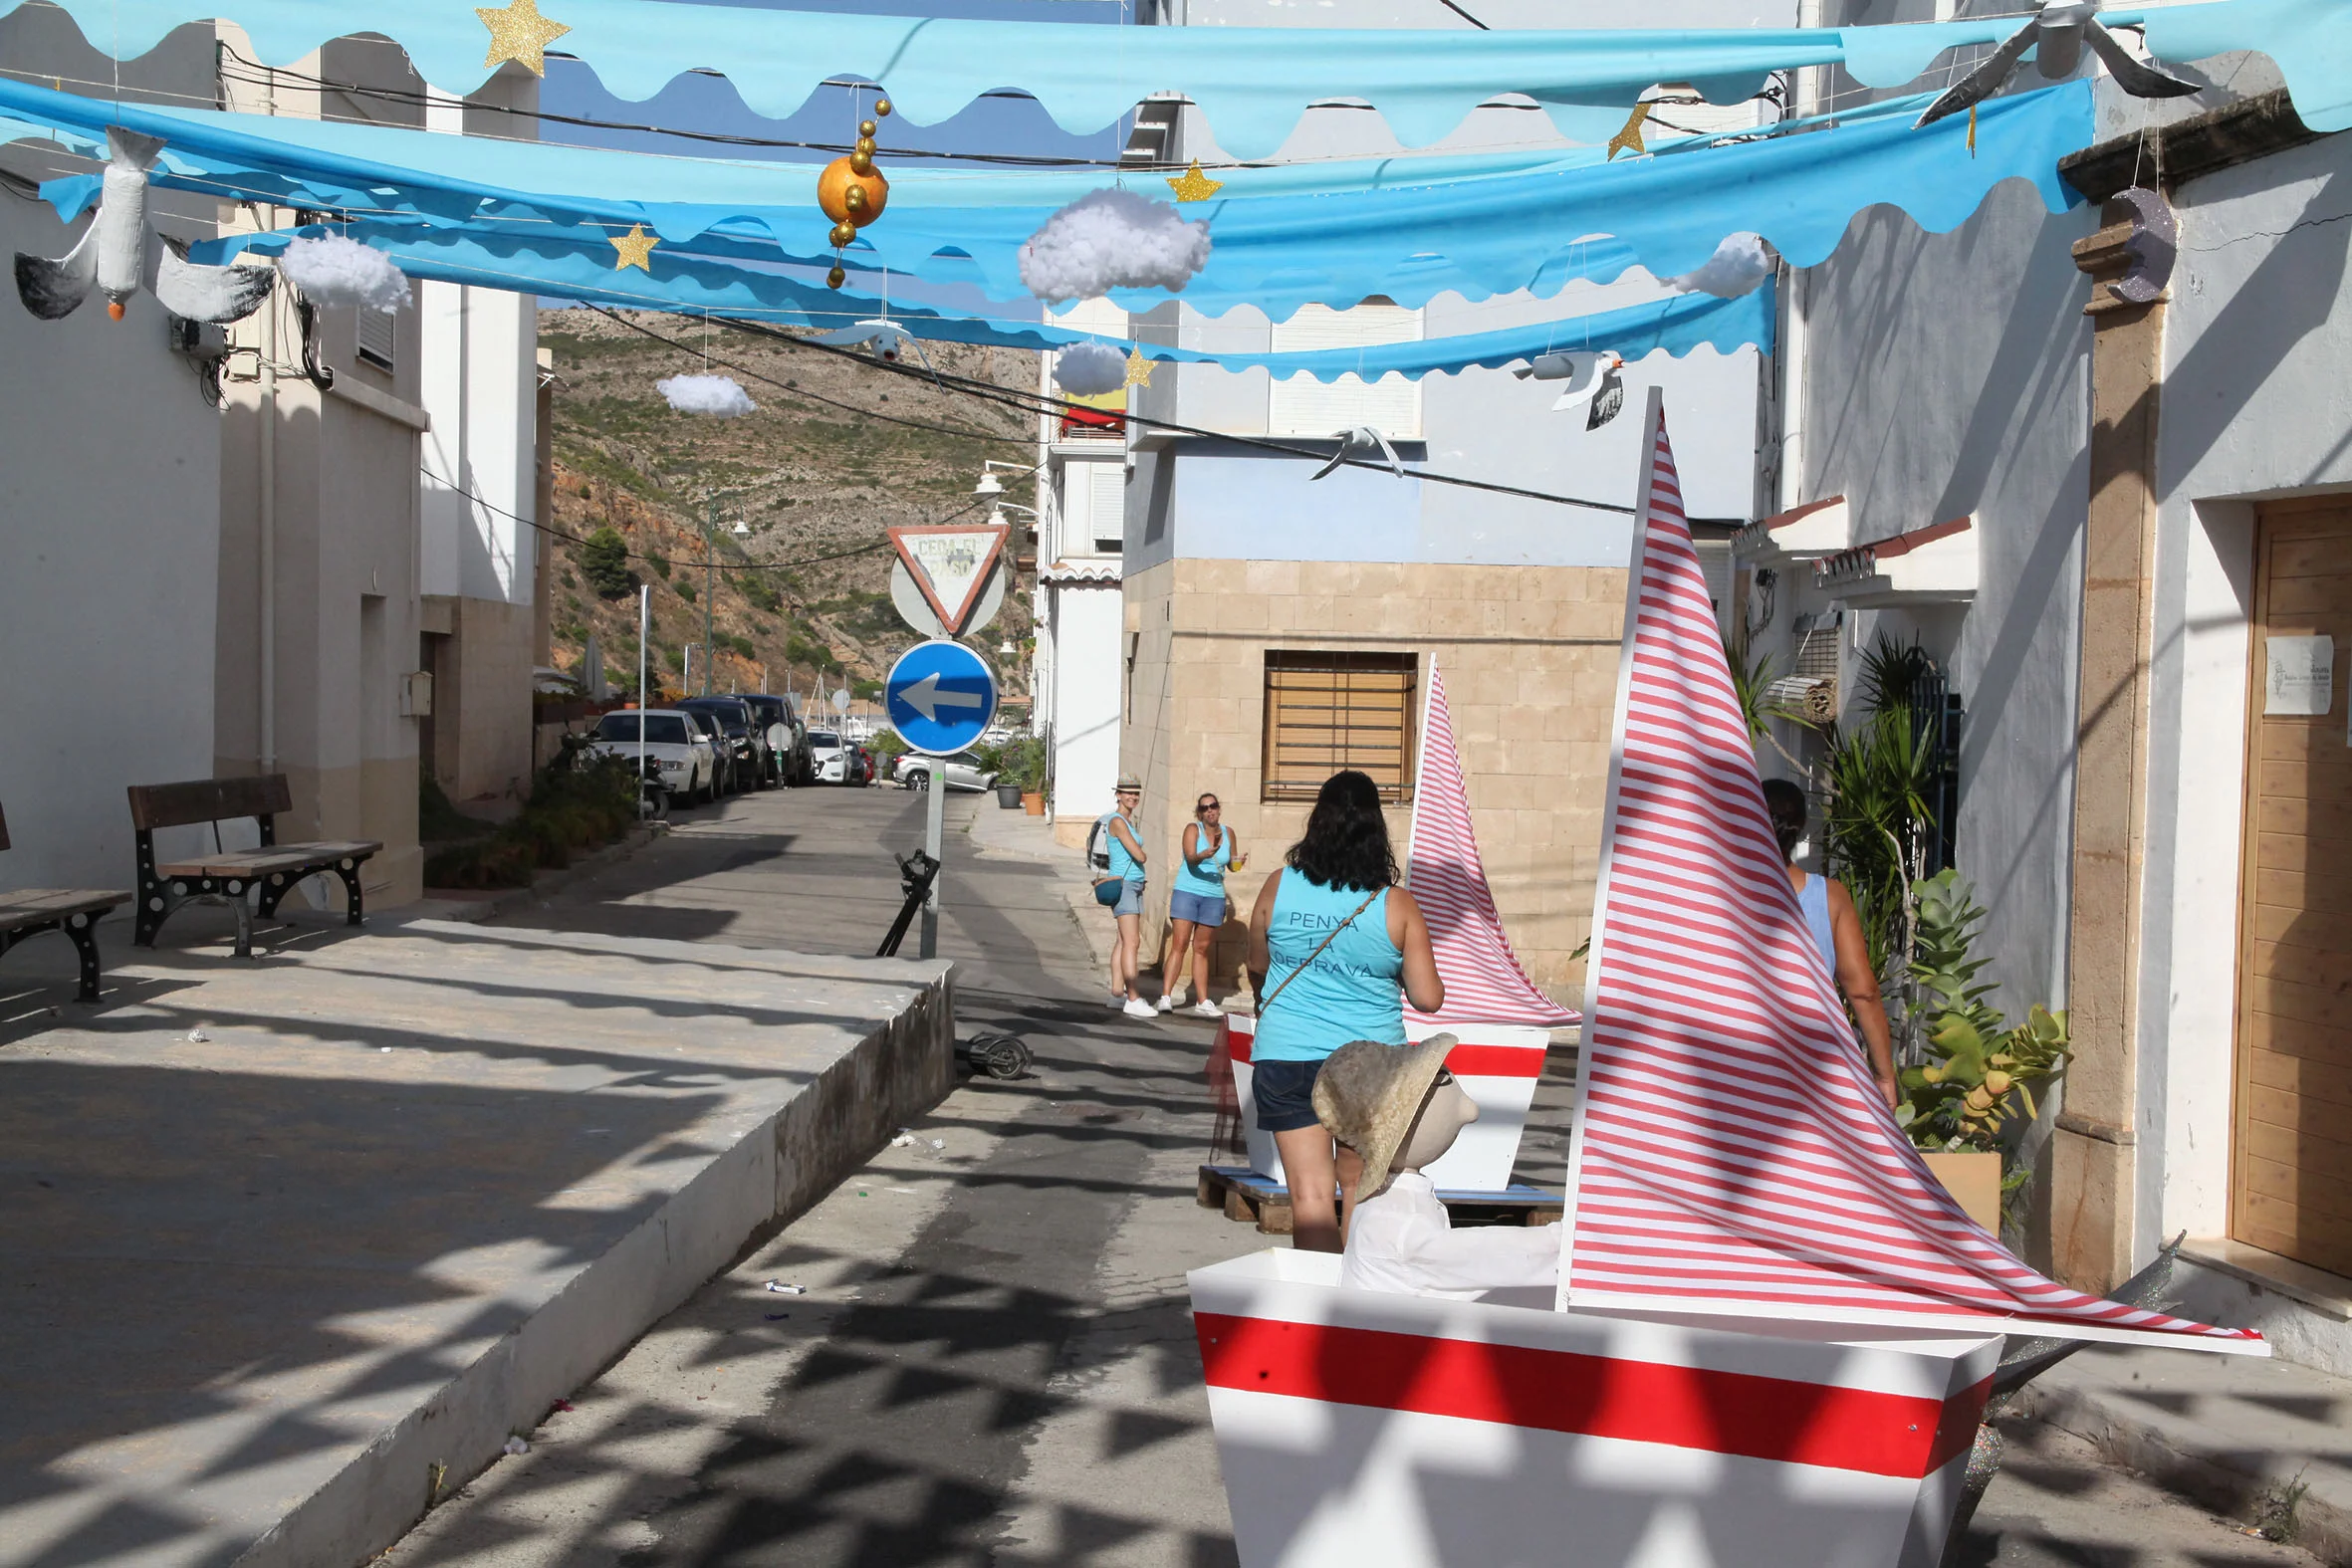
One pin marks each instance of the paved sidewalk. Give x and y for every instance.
(2262, 1442)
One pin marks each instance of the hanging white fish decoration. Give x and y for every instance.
(118, 253)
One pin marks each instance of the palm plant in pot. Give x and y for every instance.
(1967, 1103)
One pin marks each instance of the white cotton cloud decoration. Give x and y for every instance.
(1739, 265)
(1112, 239)
(722, 395)
(336, 270)
(1090, 370)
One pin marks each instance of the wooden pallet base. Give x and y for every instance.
(1244, 1195)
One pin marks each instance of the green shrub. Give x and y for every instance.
(659, 563)
(605, 562)
(572, 806)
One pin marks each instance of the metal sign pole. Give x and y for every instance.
(934, 826)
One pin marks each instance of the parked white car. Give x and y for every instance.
(830, 756)
(688, 765)
(962, 771)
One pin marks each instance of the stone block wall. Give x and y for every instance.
(1529, 658)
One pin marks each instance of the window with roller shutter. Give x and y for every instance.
(1108, 506)
(379, 337)
(1304, 407)
(1328, 711)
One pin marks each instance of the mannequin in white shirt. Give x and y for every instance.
(1401, 1111)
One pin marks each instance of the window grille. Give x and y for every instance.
(1329, 711)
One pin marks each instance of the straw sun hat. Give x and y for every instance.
(1368, 1097)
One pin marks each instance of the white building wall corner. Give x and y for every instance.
(109, 520)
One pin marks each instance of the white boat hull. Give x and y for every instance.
(1361, 1427)
(1498, 1065)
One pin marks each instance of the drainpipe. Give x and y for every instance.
(1805, 93)
(269, 538)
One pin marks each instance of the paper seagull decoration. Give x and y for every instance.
(1367, 438)
(1591, 376)
(119, 252)
(889, 339)
(2057, 34)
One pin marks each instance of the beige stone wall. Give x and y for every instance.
(1529, 658)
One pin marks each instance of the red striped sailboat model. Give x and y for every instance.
(1775, 1331)
(1503, 1021)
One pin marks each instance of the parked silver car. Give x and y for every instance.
(962, 771)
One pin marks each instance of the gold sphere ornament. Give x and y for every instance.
(866, 144)
(862, 160)
(866, 129)
(882, 108)
(844, 232)
(836, 277)
(838, 182)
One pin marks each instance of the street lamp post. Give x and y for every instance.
(709, 583)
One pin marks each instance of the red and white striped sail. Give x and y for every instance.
(1484, 981)
(1730, 1152)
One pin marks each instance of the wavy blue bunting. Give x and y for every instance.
(574, 264)
(1251, 83)
(1329, 233)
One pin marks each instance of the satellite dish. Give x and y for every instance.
(840, 699)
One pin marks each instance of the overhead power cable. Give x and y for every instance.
(1040, 403)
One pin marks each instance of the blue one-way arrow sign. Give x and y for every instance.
(939, 697)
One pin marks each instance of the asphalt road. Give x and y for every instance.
(990, 1360)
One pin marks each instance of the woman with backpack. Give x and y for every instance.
(1336, 948)
(1116, 857)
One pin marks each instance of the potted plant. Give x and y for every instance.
(1028, 761)
(1965, 1103)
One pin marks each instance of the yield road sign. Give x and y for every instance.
(939, 697)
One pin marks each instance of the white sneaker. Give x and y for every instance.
(1167, 1002)
(1206, 1010)
(1139, 1008)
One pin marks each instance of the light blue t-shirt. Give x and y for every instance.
(1813, 900)
(1209, 880)
(1123, 863)
(1352, 990)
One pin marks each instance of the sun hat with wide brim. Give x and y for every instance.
(1368, 1095)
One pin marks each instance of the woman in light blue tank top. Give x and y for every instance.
(1335, 950)
(1197, 907)
(1837, 934)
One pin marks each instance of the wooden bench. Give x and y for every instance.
(73, 911)
(228, 875)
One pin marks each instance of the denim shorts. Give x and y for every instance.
(1202, 909)
(1130, 899)
(1285, 1092)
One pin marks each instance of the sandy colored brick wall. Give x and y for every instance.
(1530, 657)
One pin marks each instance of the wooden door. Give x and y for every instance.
(2291, 1191)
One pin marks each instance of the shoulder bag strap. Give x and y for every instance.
(1319, 950)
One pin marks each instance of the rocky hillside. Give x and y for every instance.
(807, 593)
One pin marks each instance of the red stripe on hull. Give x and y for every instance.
(1714, 1412)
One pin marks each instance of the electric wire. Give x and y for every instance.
(1042, 403)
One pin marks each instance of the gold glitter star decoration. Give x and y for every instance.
(1193, 185)
(1629, 139)
(1138, 368)
(519, 33)
(635, 247)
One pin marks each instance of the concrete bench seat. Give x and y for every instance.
(29, 912)
(267, 873)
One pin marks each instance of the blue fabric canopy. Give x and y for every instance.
(575, 264)
(1251, 83)
(1330, 232)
